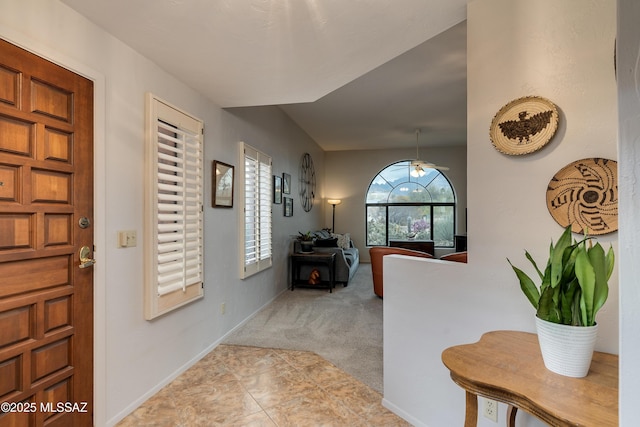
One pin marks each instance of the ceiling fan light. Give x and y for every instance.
(417, 172)
(419, 164)
(423, 164)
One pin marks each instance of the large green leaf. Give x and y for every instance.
(546, 279)
(601, 271)
(531, 260)
(547, 310)
(587, 279)
(610, 262)
(569, 261)
(557, 256)
(568, 302)
(576, 319)
(528, 287)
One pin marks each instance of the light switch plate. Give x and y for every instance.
(127, 239)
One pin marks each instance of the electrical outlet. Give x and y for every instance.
(490, 410)
(223, 308)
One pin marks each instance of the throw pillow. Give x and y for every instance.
(327, 243)
(344, 240)
(322, 234)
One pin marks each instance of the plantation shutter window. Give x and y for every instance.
(256, 239)
(174, 209)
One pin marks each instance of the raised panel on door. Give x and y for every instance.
(46, 186)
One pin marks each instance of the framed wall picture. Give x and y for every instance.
(286, 183)
(222, 185)
(277, 189)
(288, 206)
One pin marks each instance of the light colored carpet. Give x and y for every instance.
(344, 327)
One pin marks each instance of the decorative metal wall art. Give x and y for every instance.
(524, 125)
(585, 194)
(307, 182)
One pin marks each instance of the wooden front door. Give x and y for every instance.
(46, 217)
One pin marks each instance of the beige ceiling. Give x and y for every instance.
(354, 74)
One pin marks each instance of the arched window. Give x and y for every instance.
(402, 207)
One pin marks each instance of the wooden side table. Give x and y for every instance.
(315, 258)
(507, 366)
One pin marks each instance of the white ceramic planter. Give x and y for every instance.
(566, 350)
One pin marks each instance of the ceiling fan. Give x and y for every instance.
(418, 166)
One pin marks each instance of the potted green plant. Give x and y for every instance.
(573, 288)
(306, 241)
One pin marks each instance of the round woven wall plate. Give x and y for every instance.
(585, 194)
(524, 125)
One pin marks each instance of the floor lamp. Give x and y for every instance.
(334, 202)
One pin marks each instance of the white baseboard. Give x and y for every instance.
(138, 402)
(399, 412)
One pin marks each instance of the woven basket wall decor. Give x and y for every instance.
(585, 194)
(524, 125)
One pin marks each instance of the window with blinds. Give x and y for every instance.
(256, 236)
(174, 209)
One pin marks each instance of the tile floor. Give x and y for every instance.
(250, 386)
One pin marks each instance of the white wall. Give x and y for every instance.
(628, 43)
(349, 173)
(134, 357)
(561, 50)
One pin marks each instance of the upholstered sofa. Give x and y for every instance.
(347, 255)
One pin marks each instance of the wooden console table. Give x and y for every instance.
(416, 245)
(507, 366)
